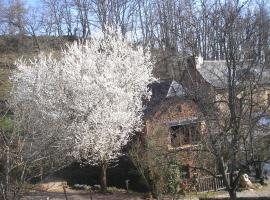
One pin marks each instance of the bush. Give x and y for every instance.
(173, 177)
(159, 169)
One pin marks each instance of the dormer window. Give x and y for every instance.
(185, 135)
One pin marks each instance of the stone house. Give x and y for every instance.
(171, 107)
(175, 104)
(215, 73)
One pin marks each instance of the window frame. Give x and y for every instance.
(185, 131)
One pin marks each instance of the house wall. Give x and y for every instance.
(197, 86)
(260, 98)
(173, 111)
(169, 112)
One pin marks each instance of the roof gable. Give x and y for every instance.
(176, 89)
(161, 91)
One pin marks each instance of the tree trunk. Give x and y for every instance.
(232, 194)
(103, 178)
(7, 171)
(258, 170)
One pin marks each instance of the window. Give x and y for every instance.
(194, 135)
(184, 172)
(185, 132)
(184, 135)
(175, 136)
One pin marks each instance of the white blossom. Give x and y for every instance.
(90, 99)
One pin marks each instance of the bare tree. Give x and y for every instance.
(54, 17)
(239, 102)
(33, 24)
(15, 16)
(23, 152)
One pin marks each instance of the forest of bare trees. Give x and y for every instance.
(189, 27)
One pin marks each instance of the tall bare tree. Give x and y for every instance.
(234, 113)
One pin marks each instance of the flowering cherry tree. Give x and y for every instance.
(90, 99)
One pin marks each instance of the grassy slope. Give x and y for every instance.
(4, 83)
(9, 56)
(12, 48)
(6, 66)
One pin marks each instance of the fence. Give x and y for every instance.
(211, 183)
(208, 183)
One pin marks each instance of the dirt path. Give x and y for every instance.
(261, 192)
(83, 195)
(78, 195)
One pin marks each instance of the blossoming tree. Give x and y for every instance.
(90, 99)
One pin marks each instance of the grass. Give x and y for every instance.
(116, 190)
(5, 84)
(7, 61)
(6, 123)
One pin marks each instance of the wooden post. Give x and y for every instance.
(7, 171)
(208, 184)
(41, 170)
(127, 186)
(65, 192)
(189, 134)
(90, 192)
(199, 184)
(215, 184)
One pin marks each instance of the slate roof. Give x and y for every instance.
(215, 72)
(160, 91)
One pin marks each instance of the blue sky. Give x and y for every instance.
(33, 2)
(29, 2)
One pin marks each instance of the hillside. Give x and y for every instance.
(13, 47)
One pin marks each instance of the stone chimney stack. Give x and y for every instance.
(198, 61)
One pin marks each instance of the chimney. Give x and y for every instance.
(198, 61)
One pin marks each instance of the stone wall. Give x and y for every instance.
(174, 111)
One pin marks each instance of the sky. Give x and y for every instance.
(33, 2)
(29, 2)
